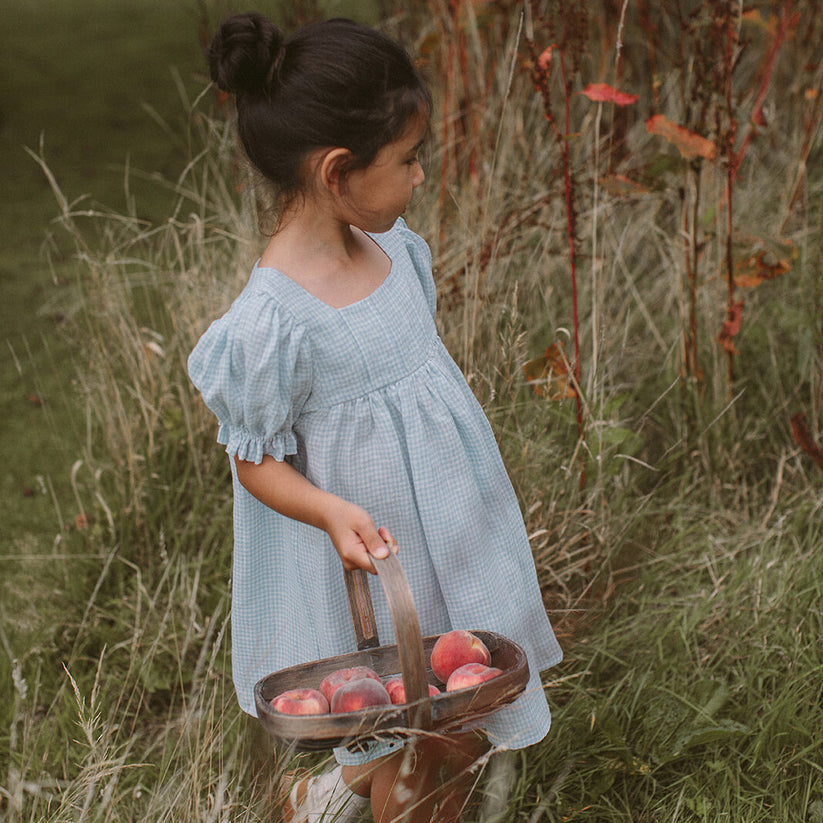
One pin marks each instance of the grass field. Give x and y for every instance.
(662, 437)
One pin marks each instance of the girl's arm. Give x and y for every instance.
(282, 488)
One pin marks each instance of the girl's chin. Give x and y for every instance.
(379, 227)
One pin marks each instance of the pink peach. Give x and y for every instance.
(359, 694)
(397, 691)
(471, 674)
(337, 678)
(454, 649)
(300, 701)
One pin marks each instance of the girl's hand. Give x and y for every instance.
(281, 487)
(355, 537)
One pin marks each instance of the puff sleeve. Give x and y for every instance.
(253, 369)
(421, 258)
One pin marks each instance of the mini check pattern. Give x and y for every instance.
(368, 404)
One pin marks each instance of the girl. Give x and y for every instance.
(341, 409)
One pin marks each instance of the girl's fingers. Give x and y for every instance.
(389, 540)
(361, 541)
(382, 544)
(377, 547)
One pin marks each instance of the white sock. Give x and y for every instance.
(327, 799)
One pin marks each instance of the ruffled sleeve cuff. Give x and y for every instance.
(243, 445)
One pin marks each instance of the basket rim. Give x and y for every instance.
(448, 709)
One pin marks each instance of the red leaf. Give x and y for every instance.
(540, 73)
(545, 60)
(549, 375)
(755, 17)
(761, 258)
(602, 93)
(772, 25)
(688, 143)
(803, 438)
(731, 327)
(755, 269)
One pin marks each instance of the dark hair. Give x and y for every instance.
(332, 83)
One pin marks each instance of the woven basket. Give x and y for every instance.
(444, 712)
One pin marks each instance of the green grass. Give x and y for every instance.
(700, 689)
(684, 578)
(79, 79)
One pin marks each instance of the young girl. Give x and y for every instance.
(342, 411)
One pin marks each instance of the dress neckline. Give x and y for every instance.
(301, 290)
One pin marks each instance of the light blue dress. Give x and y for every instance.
(367, 403)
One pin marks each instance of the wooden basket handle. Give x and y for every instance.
(406, 630)
(362, 611)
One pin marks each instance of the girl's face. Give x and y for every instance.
(378, 194)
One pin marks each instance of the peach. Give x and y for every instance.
(336, 679)
(359, 694)
(300, 701)
(397, 691)
(454, 649)
(471, 674)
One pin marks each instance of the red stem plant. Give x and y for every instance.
(565, 25)
(566, 28)
(706, 87)
(716, 93)
(734, 157)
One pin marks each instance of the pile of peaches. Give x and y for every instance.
(459, 659)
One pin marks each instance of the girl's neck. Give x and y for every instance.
(312, 228)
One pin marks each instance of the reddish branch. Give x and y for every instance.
(735, 158)
(803, 438)
(757, 112)
(568, 191)
(540, 77)
(734, 308)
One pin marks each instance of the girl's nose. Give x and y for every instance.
(419, 176)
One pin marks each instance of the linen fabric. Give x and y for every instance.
(366, 402)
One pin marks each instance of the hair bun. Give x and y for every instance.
(244, 54)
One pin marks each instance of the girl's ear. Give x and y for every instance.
(333, 167)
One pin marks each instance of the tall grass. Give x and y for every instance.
(683, 575)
